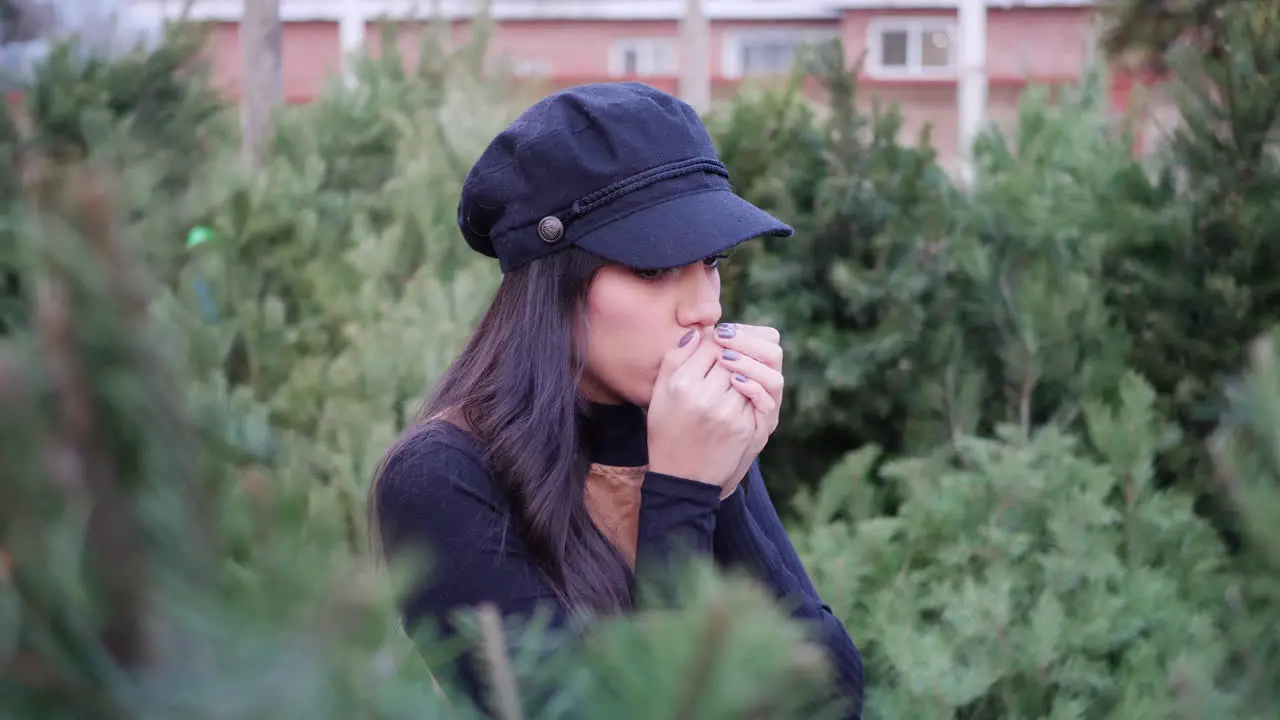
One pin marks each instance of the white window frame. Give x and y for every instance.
(735, 44)
(915, 27)
(650, 52)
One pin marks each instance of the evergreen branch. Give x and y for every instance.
(505, 699)
(80, 454)
(711, 642)
(452, 158)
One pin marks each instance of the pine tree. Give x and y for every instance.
(1246, 456)
(150, 108)
(912, 312)
(1020, 332)
(1009, 552)
(1192, 281)
(850, 290)
(1142, 33)
(1042, 576)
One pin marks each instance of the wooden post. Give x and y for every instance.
(695, 49)
(262, 79)
(351, 30)
(971, 93)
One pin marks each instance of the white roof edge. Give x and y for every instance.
(604, 10)
(619, 10)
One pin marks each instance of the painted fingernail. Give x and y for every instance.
(726, 331)
(739, 377)
(729, 354)
(687, 337)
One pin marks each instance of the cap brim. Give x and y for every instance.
(681, 231)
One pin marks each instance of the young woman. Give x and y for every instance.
(600, 418)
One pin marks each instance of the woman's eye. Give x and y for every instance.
(712, 263)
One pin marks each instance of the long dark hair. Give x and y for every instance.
(516, 386)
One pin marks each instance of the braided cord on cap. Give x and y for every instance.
(643, 180)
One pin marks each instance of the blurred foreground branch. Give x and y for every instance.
(92, 435)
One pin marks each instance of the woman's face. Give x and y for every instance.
(633, 317)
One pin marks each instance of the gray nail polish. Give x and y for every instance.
(729, 354)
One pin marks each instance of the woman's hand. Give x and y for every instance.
(699, 424)
(753, 356)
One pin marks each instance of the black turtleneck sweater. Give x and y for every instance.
(438, 494)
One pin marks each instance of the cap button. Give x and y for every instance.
(550, 229)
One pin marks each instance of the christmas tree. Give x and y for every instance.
(1190, 274)
(851, 289)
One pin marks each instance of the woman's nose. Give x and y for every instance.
(700, 301)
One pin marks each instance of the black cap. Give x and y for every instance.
(622, 170)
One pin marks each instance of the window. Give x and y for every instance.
(643, 56)
(768, 52)
(770, 57)
(914, 47)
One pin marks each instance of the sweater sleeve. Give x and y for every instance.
(436, 497)
(677, 521)
(750, 535)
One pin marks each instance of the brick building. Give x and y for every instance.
(911, 45)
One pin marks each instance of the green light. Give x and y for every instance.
(198, 236)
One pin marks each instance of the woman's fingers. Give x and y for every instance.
(755, 391)
(757, 372)
(764, 332)
(753, 356)
(761, 343)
